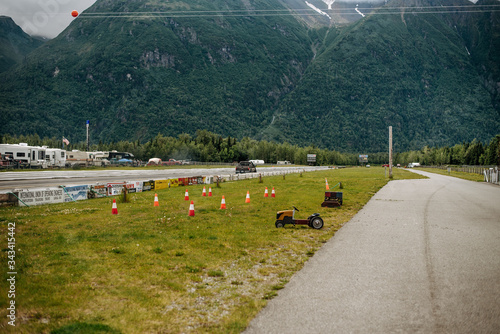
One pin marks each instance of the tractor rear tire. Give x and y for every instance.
(279, 223)
(316, 223)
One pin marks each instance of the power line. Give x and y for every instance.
(291, 12)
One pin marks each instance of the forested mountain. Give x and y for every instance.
(423, 73)
(15, 44)
(264, 69)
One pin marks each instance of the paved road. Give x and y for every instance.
(423, 256)
(47, 178)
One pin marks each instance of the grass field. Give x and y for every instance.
(460, 175)
(149, 269)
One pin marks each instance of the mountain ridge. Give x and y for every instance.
(16, 44)
(266, 77)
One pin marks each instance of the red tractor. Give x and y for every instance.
(288, 217)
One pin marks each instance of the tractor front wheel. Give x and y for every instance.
(279, 223)
(316, 223)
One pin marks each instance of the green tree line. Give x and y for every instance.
(206, 146)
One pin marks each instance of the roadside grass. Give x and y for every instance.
(461, 175)
(156, 270)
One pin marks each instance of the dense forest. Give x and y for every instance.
(210, 147)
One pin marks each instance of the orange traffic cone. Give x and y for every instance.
(210, 192)
(204, 193)
(247, 200)
(186, 195)
(191, 209)
(266, 193)
(327, 187)
(156, 200)
(223, 203)
(273, 194)
(114, 209)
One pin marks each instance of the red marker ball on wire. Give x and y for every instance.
(74, 13)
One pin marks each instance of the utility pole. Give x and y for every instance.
(390, 152)
(88, 135)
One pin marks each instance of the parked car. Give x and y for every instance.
(245, 167)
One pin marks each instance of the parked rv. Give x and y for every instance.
(85, 159)
(23, 155)
(55, 157)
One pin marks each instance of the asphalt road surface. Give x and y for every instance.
(49, 178)
(423, 256)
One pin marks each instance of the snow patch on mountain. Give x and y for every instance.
(318, 10)
(359, 11)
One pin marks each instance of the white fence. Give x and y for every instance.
(491, 175)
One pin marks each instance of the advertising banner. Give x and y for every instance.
(188, 181)
(174, 182)
(148, 185)
(41, 196)
(115, 188)
(98, 190)
(363, 158)
(76, 193)
(183, 181)
(134, 186)
(161, 184)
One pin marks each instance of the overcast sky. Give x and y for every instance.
(43, 17)
(48, 18)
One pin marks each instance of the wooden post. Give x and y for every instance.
(390, 152)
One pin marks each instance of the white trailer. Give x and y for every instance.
(85, 159)
(23, 155)
(55, 157)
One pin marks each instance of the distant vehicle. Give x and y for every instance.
(246, 167)
(126, 162)
(85, 159)
(413, 164)
(171, 162)
(368, 166)
(154, 162)
(257, 162)
(119, 155)
(285, 162)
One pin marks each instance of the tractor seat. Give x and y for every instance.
(315, 215)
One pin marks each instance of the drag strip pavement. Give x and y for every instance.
(50, 178)
(421, 256)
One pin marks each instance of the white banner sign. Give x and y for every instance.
(41, 196)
